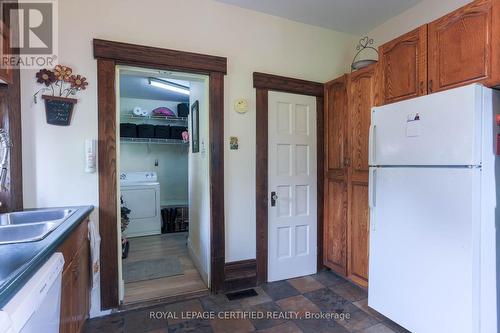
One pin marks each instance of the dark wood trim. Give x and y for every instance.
(155, 57)
(110, 54)
(10, 119)
(320, 135)
(163, 301)
(216, 137)
(286, 84)
(261, 194)
(240, 274)
(108, 205)
(263, 84)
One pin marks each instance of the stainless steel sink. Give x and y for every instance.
(30, 226)
(35, 216)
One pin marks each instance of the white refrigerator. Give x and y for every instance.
(434, 174)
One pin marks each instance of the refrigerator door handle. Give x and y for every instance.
(372, 181)
(371, 145)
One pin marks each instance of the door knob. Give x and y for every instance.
(274, 197)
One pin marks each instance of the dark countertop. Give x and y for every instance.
(18, 262)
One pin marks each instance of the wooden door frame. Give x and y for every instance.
(263, 83)
(109, 54)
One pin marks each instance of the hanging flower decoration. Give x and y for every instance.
(62, 73)
(61, 81)
(46, 77)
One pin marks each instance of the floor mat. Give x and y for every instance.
(151, 269)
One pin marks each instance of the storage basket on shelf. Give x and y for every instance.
(176, 132)
(182, 110)
(128, 130)
(146, 131)
(162, 131)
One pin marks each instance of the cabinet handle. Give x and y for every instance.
(347, 162)
(430, 85)
(422, 88)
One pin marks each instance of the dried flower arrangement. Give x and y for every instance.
(62, 83)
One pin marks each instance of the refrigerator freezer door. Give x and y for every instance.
(438, 129)
(423, 250)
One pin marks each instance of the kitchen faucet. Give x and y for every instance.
(5, 145)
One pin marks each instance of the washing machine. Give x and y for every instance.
(141, 194)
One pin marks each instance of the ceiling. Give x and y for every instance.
(137, 86)
(351, 16)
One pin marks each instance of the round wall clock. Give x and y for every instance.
(241, 105)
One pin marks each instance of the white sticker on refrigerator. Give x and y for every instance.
(413, 125)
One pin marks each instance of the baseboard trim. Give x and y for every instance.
(240, 274)
(163, 300)
(197, 264)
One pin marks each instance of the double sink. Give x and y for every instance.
(31, 226)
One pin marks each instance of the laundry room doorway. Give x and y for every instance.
(164, 184)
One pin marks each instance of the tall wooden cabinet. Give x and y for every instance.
(403, 66)
(363, 95)
(336, 169)
(349, 100)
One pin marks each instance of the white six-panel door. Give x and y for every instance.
(292, 221)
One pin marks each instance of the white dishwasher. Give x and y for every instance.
(36, 307)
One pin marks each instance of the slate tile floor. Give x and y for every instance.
(324, 292)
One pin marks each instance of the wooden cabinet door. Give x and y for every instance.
(82, 288)
(463, 47)
(403, 66)
(363, 95)
(336, 163)
(67, 301)
(75, 290)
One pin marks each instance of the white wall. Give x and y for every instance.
(199, 186)
(172, 169)
(53, 159)
(424, 12)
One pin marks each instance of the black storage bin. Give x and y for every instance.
(145, 131)
(128, 130)
(176, 132)
(162, 131)
(182, 110)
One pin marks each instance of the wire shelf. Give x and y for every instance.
(182, 120)
(154, 141)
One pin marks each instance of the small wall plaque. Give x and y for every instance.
(233, 143)
(58, 110)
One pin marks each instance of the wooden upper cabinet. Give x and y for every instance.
(403, 66)
(463, 47)
(363, 95)
(335, 120)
